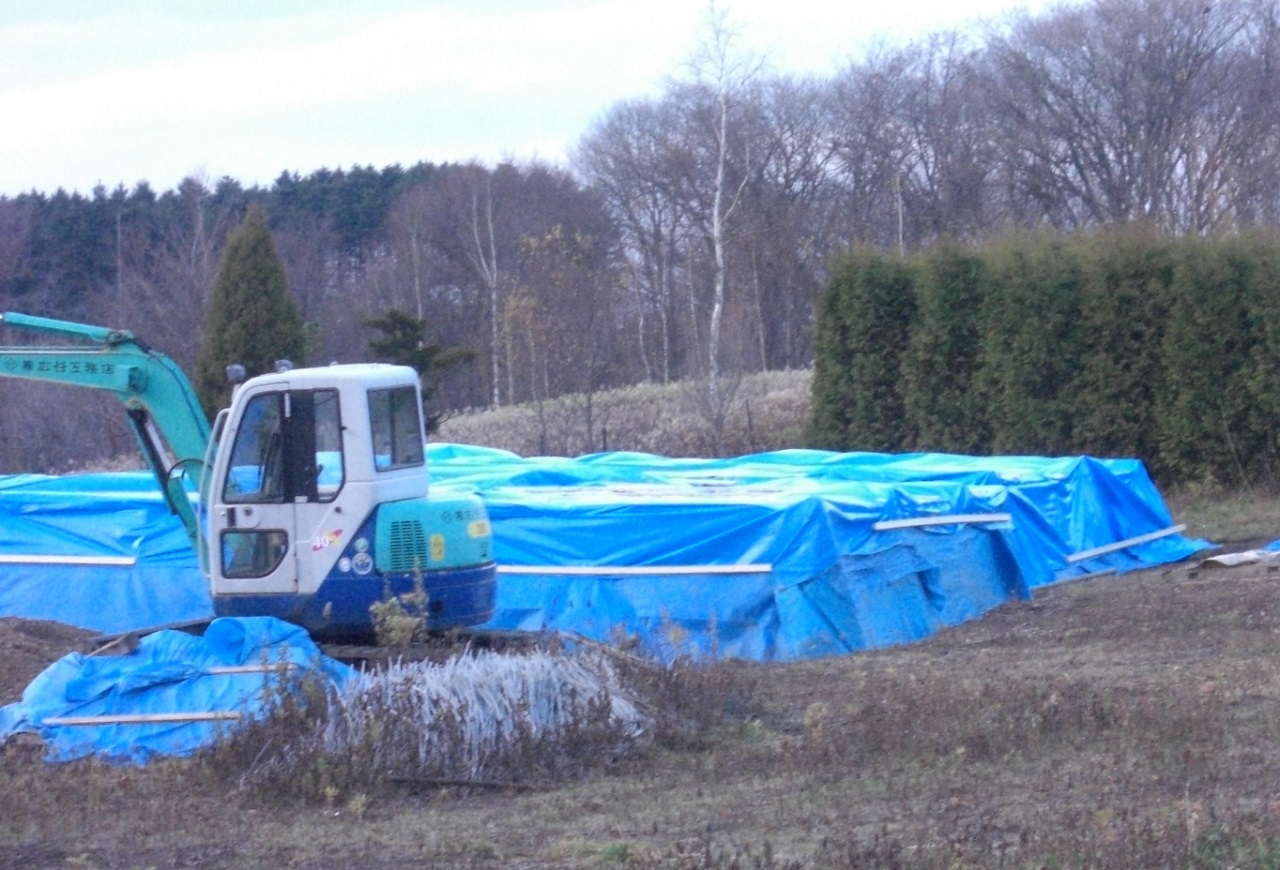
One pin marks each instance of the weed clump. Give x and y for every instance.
(399, 621)
(478, 718)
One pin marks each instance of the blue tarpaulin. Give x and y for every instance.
(172, 695)
(773, 556)
(99, 551)
(798, 553)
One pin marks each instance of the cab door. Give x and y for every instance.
(278, 484)
(251, 521)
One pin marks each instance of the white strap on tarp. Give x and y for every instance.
(1125, 544)
(634, 571)
(952, 519)
(140, 718)
(20, 559)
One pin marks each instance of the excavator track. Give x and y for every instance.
(440, 647)
(434, 648)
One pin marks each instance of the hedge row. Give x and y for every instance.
(1116, 344)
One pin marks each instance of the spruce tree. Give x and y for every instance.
(404, 342)
(252, 317)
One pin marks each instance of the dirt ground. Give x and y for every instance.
(28, 646)
(1122, 721)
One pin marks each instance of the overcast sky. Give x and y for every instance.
(120, 91)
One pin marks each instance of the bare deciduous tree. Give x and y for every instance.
(1111, 112)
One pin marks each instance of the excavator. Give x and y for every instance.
(307, 499)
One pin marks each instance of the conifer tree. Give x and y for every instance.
(252, 317)
(404, 342)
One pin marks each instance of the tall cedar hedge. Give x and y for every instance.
(940, 371)
(252, 317)
(1030, 315)
(1120, 343)
(864, 317)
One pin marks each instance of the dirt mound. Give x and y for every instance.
(28, 646)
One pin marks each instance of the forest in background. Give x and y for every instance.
(689, 236)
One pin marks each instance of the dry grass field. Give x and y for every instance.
(1118, 722)
(765, 411)
(1129, 721)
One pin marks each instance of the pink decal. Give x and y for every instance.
(322, 541)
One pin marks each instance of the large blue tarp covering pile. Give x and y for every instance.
(172, 695)
(798, 553)
(773, 556)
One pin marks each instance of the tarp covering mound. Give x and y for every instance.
(798, 553)
(173, 694)
(774, 556)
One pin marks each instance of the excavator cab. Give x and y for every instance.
(317, 505)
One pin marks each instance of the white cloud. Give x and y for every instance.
(93, 92)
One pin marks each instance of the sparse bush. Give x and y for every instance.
(770, 411)
(478, 717)
(400, 620)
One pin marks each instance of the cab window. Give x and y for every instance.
(329, 475)
(256, 473)
(288, 447)
(251, 553)
(396, 423)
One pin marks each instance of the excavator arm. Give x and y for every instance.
(163, 410)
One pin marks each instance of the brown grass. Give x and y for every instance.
(1116, 722)
(765, 411)
(1241, 517)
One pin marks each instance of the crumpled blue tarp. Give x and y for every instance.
(647, 544)
(170, 672)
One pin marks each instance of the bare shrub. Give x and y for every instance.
(768, 411)
(119, 462)
(478, 717)
(50, 428)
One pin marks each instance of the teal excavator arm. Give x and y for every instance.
(163, 411)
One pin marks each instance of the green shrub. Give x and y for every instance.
(1123, 311)
(1119, 343)
(1029, 359)
(1211, 423)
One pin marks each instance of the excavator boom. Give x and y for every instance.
(163, 410)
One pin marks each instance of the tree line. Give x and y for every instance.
(689, 236)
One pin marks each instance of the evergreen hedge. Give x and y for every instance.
(865, 314)
(940, 372)
(1119, 343)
